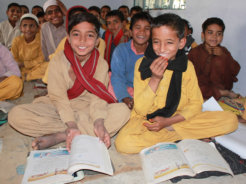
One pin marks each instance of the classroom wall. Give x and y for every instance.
(232, 12)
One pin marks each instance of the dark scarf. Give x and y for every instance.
(84, 76)
(189, 41)
(178, 65)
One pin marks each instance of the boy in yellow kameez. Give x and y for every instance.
(167, 98)
(27, 51)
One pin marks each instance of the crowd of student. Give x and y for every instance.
(114, 70)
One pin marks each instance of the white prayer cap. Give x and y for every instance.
(29, 15)
(49, 3)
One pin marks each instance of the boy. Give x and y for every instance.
(190, 41)
(114, 35)
(24, 10)
(125, 56)
(125, 11)
(41, 18)
(10, 83)
(134, 10)
(53, 31)
(215, 68)
(77, 101)
(36, 9)
(104, 10)
(167, 98)
(9, 29)
(94, 10)
(27, 51)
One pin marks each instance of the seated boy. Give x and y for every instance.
(125, 11)
(36, 9)
(215, 67)
(104, 10)
(24, 9)
(167, 98)
(134, 10)
(114, 35)
(125, 56)
(190, 41)
(53, 31)
(77, 101)
(9, 29)
(27, 51)
(10, 83)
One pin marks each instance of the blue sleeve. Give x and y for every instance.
(118, 77)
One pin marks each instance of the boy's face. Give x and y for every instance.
(114, 24)
(125, 12)
(104, 12)
(54, 15)
(141, 32)
(134, 12)
(36, 10)
(29, 29)
(24, 10)
(41, 21)
(83, 39)
(213, 35)
(166, 42)
(13, 13)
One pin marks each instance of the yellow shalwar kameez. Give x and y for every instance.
(134, 136)
(30, 54)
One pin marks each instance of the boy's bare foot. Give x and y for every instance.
(49, 140)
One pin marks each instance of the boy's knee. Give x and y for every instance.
(124, 144)
(14, 118)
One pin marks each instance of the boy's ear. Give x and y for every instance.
(182, 43)
(97, 42)
(202, 36)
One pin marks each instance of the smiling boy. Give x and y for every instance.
(26, 49)
(167, 98)
(9, 29)
(215, 67)
(53, 31)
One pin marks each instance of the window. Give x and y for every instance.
(161, 4)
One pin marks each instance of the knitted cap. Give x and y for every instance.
(49, 3)
(29, 15)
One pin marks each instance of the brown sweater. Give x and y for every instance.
(214, 73)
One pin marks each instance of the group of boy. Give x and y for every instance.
(159, 112)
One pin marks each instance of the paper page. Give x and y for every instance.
(87, 152)
(211, 105)
(203, 157)
(163, 161)
(47, 166)
(235, 141)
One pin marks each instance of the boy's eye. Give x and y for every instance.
(210, 32)
(170, 42)
(75, 34)
(219, 33)
(91, 35)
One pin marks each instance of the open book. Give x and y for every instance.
(57, 166)
(164, 161)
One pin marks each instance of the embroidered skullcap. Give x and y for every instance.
(49, 3)
(29, 15)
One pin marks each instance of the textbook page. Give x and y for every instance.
(203, 157)
(87, 152)
(47, 166)
(164, 161)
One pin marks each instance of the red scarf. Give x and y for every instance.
(84, 76)
(109, 40)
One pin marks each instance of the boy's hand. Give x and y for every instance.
(217, 51)
(158, 67)
(158, 123)
(129, 102)
(62, 7)
(101, 132)
(71, 132)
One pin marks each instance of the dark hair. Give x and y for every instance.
(40, 14)
(24, 6)
(106, 6)
(136, 8)
(95, 8)
(141, 16)
(83, 17)
(124, 6)
(187, 23)
(213, 20)
(37, 6)
(29, 18)
(76, 9)
(172, 20)
(116, 13)
(13, 4)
